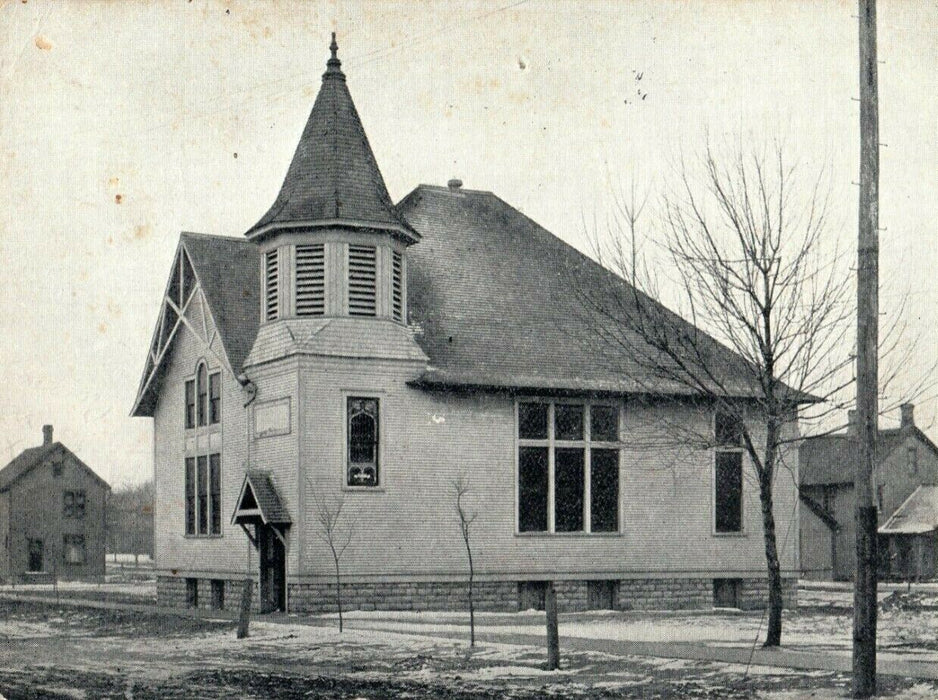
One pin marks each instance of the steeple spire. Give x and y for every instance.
(333, 178)
(334, 65)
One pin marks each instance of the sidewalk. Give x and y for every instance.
(888, 663)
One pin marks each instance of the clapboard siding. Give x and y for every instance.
(408, 526)
(173, 550)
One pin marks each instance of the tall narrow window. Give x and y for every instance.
(201, 384)
(728, 474)
(397, 286)
(214, 477)
(570, 449)
(214, 398)
(190, 495)
(202, 500)
(190, 403)
(271, 285)
(362, 278)
(362, 441)
(310, 280)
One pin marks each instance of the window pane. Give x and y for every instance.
(568, 490)
(190, 404)
(214, 464)
(532, 421)
(362, 441)
(729, 491)
(532, 489)
(203, 495)
(568, 422)
(202, 389)
(190, 496)
(728, 430)
(604, 490)
(604, 423)
(214, 398)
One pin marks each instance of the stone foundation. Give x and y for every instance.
(489, 596)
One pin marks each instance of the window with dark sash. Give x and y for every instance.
(73, 549)
(73, 504)
(362, 428)
(570, 449)
(190, 403)
(728, 474)
(201, 383)
(203, 495)
(214, 398)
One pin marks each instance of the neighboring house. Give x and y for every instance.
(909, 540)
(52, 515)
(354, 351)
(905, 460)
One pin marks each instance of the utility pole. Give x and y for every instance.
(864, 591)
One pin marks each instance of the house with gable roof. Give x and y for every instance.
(52, 515)
(904, 476)
(350, 350)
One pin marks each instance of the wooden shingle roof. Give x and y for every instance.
(333, 178)
(832, 459)
(499, 302)
(917, 515)
(32, 457)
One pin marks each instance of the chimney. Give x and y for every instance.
(47, 435)
(907, 411)
(852, 423)
(454, 184)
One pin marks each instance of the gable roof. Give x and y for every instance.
(227, 271)
(333, 178)
(492, 294)
(32, 457)
(831, 459)
(227, 268)
(917, 515)
(266, 505)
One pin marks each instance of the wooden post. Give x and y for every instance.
(244, 618)
(553, 638)
(864, 592)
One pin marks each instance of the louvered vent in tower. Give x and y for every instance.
(271, 285)
(310, 280)
(362, 277)
(397, 286)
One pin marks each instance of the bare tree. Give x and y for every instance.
(337, 533)
(766, 307)
(466, 518)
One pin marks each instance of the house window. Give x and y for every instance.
(362, 279)
(912, 455)
(73, 504)
(362, 441)
(73, 549)
(192, 592)
(218, 594)
(310, 280)
(397, 286)
(203, 495)
(568, 467)
(271, 285)
(880, 498)
(201, 383)
(190, 403)
(214, 398)
(728, 476)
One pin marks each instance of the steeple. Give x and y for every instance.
(333, 179)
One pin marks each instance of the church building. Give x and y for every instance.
(335, 372)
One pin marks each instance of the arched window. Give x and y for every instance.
(201, 387)
(362, 441)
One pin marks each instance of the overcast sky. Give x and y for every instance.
(122, 124)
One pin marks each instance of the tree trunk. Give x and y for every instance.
(338, 589)
(553, 638)
(773, 636)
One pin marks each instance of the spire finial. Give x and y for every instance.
(334, 65)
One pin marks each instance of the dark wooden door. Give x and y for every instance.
(273, 593)
(35, 555)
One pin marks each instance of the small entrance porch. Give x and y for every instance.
(261, 514)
